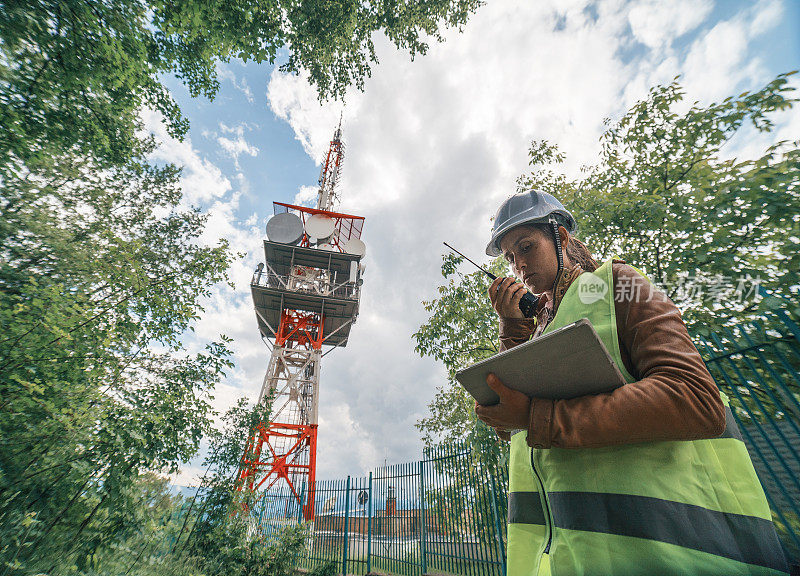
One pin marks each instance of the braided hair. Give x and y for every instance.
(579, 252)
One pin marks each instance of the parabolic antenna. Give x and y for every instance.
(326, 246)
(320, 227)
(355, 246)
(286, 228)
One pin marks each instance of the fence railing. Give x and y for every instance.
(447, 512)
(444, 514)
(758, 366)
(309, 280)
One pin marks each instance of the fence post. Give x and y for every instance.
(302, 499)
(423, 535)
(497, 526)
(369, 526)
(346, 526)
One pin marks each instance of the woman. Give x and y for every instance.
(652, 478)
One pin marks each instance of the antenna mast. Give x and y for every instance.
(329, 175)
(306, 296)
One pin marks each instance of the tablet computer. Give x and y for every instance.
(565, 363)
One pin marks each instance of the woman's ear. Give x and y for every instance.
(564, 235)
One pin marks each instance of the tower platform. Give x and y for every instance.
(310, 280)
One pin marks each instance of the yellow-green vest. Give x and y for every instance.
(651, 508)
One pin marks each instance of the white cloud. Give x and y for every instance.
(236, 145)
(227, 310)
(656, 23)
(225, 72)
(201, 181)
(290, 98)
(718, 62)
(766, 14)
(307, 196)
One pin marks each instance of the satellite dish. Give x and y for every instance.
(320, 227)
(355, 246)
(326, 246)
(286, 228)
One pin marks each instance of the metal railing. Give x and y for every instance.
(443, 514)
(308, 284)
(757, 365)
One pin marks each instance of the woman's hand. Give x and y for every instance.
(512, 413)
(505, 294)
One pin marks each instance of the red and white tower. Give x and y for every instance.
(306, 297)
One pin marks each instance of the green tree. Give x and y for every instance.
(220, 533)
(461, 330)
(74, 73)
(221, 515)
(151, 547)
(100, 275)
(145, 548)
(663, 197)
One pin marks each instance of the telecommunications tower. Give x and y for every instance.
(306, 296)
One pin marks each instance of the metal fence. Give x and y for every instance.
(758, 366)
(446, 513)
(443, 514)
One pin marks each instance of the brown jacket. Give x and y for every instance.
(673, 398)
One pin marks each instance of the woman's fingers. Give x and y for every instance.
(510, 299)
(508, 293)
(505, 294)
(511, 412)
(497, 385)
(488, 419)
(493, 291)
(521, 291)
(491, 415)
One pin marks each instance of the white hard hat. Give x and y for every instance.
(529, 207)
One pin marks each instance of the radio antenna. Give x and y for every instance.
(492, 276)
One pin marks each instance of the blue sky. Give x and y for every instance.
(280, 166)
(433, 146)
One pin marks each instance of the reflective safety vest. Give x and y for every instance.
(651, 508)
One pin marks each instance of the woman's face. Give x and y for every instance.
(531, 253)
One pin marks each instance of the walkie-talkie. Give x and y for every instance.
(527, 304)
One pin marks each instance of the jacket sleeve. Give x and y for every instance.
(515, 331)
(674, 398)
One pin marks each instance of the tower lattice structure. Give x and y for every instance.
(306, 297)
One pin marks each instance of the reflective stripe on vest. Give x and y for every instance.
(667, 507)
(526, 507)
(747, 539)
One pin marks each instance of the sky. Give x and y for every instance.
(433, 147)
